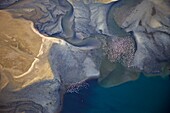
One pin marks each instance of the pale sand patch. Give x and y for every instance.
(105, 1)
(94, 1)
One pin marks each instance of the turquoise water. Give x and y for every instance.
(145, 95)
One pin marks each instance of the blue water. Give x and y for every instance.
(145, 95)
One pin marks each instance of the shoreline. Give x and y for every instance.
(62, 93)
(75, 85)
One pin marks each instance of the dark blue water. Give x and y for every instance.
(145, 95)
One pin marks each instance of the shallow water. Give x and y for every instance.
(145, 95)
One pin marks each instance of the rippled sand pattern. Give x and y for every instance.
(49, 47)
